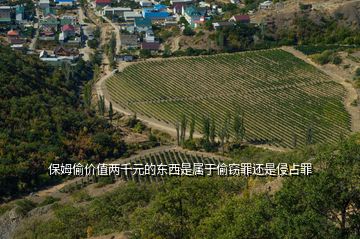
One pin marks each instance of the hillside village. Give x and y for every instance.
(59, 31)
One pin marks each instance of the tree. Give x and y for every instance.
(206, 129)
(183, 126)
(309, 136)
(101, 105)
(177, 128)
(227, 126)
(87, 95)
(188, 31)
(192, 127)
(222, 134)
(111, 112)
(212, 134)
(239, 127)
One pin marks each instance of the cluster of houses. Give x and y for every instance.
(62, 30)
(16, 23)
(136, 24)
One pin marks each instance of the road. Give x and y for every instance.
(86, 51)
(32, 45)
(117, 34)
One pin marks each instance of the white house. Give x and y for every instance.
(265, 5)
(149, 36)
(115, 11)
(131, 16)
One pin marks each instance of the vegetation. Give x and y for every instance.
(279, 95)
(324, 205)
(44, 121)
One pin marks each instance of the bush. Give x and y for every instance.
(190, 144)
(357, 72)
(24, 206)
(337, 60)
(188, 31)
(139, 127)
(48, 200)
(81, 196)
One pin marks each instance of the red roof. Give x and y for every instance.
(103, 1)
(12, 33)
(68, 27)
(241, 18)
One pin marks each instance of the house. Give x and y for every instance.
(68, 20)
(181, 1)
(49, 11)
(115, 11)
(265, 5)
(55, 60)
(5, 14)
(131, 16)
(19, 11)
(14, 38)
(102, 3)
(49, 21)
(157, 12)
(152, 46)
(177, 8)
(44, 4)
(62, 51)
(128, 41)
(149, 36)
(235, 1)
(194, 15)
(68, 30)
(126, 58)
(244, 19)
(220, 25)
(145, 3)
(68, 3)
(142, 24)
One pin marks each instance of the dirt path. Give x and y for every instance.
(351, 95)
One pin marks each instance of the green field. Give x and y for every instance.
(281, 96)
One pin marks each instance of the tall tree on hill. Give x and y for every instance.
(212, 135)
(111, 112)
(183, 125)
(87, 95)
(206, 128)
(309, 136)
(192, 126)
(239, 127)
(177, 127)
(226, 128)
(101, 105)
(222, 134)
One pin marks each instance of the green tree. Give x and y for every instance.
(192, 127)
(111, 111)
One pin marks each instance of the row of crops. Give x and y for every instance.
(281, 96)
(165, 158)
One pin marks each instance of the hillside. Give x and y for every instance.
(42, 121)
(280, 96)
(236, 207)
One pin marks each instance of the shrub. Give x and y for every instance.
(188, 31)
(48, 200)
(24, 206)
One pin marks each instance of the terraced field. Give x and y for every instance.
(281, 95)
(166, 157)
